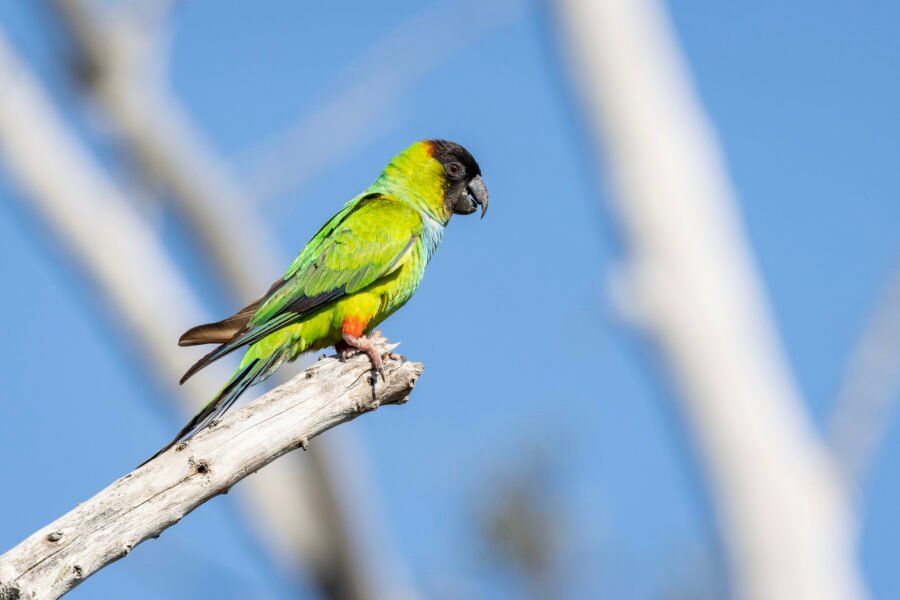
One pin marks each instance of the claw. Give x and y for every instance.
(375, 357)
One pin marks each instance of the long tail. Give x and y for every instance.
(248, 374)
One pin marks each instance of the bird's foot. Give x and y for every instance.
(360, 344)
(375, 346)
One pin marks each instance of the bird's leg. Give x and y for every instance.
(357, 344)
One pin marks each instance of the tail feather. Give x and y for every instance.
(246, 376)
(207, 360)
(215, 333)
(225, 330)
(243, 338)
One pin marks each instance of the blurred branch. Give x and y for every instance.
(119, 51)
(154, 497)
(91, 215)
(369, 88)
(128, 265)
(519, 520)
(691, 285)
(867, 398)
(302, 506)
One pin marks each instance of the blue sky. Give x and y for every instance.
(804, 96)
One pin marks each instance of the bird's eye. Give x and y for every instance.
(454, 169)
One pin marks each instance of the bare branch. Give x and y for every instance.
(691, 284)
(154, 497)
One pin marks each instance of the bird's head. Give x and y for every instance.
(439, 177)
(464, 191)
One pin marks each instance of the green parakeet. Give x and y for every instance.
(360, 267)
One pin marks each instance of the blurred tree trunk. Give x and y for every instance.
(691, 285)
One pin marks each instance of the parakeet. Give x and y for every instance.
(360, 267)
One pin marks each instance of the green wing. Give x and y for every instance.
(357, 247)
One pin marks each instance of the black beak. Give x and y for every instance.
(479, 193)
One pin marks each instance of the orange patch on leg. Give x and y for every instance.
(354, 326)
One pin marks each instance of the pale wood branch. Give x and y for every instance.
(152, 498)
